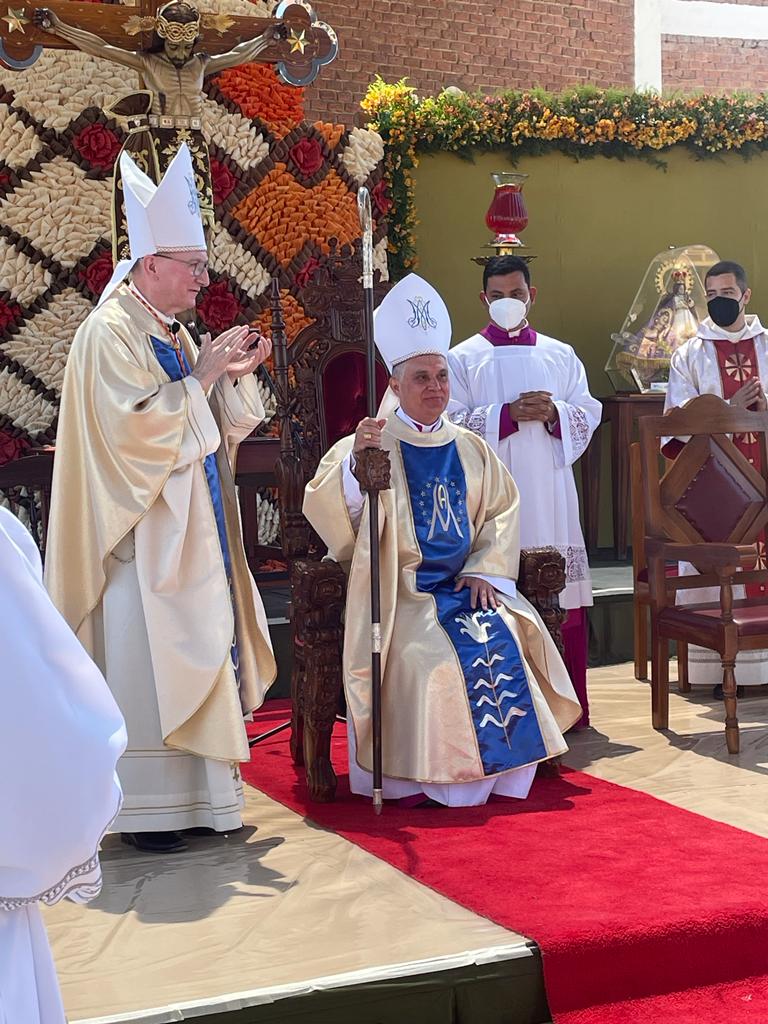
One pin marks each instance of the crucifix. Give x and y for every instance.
(300, 46)
(173, 48)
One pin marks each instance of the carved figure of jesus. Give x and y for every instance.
(169, 111)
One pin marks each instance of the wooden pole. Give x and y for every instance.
(366, 221)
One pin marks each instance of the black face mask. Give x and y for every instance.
(724, 311)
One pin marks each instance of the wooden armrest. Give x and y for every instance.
(722, 559)
(318, 592)
(542, 575)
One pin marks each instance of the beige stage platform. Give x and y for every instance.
(279, 909)
(285, 908)
(688, 765)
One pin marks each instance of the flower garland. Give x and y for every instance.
(579, 122)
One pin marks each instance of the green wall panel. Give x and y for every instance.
(594, 226)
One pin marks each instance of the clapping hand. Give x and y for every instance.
(258, 351)
(229, 353)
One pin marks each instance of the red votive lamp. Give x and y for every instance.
(507, 215)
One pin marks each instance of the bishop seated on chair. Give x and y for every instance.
(474, 691)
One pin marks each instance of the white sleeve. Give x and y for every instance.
(353, 496)
(483, 420)
(241, 407)
(201, 434)
(681, 388)
(579, 415)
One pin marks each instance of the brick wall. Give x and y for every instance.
(717, 65)
(473, 44)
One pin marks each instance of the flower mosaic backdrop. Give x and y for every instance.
(283, 188)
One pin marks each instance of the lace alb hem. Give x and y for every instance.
(576, 563)
(475, 420)
(72, 885)
(578, 427)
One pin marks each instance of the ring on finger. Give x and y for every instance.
(367, 436)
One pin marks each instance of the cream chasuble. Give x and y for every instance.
(137, 565)
(467, 695)
(718, 362)
(484, 378)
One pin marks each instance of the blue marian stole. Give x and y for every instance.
(171, 361)
(500, 701)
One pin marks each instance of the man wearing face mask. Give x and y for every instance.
(728, 358)
(527, 396)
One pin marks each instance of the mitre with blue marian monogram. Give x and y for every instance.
(161, 218)
(412, 320)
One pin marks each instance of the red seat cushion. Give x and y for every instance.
(750, 616)
(671, 570)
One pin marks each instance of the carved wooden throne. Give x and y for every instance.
(320, 391)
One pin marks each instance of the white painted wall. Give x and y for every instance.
(656, 18)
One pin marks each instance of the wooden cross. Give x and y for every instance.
(306, 44)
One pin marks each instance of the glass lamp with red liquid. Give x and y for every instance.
(507, 215)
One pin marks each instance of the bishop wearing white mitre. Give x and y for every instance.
(145, 556)
(474, 691)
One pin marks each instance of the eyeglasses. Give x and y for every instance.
(197, 269)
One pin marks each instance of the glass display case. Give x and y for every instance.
(667, 310)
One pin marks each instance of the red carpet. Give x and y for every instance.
(643, 911)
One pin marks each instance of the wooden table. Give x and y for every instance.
(622, 413)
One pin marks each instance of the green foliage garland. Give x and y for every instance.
(580, 122)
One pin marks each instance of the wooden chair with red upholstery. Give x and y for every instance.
(320, 390)
(641, 595)
(709, 508)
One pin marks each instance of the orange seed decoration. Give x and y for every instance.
(283, 215)
(259, 93)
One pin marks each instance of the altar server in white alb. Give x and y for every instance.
(474, 692)
(145, 556)
(61, 734)
(527, 396)
(728, 358)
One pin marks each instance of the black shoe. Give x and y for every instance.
(549, 769)
(717, 692)
(155, 842)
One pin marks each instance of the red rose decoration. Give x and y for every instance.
(11, 447)
(218, 307)
(8, 313)
(223, 181)
(97, 274)
(380, 196)
(307, 272)
(308, 156)
(98, 145)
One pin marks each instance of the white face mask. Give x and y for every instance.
(508, 313)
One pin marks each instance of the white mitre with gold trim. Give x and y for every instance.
(412, 320)
(161, 218)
